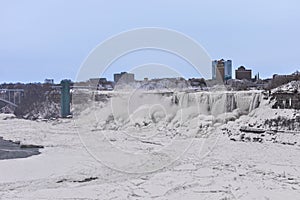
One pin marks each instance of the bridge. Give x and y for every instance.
(10, 99)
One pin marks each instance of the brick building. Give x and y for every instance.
(242, 73)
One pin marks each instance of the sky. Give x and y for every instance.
(52, 38)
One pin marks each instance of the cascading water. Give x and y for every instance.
(145, 109)
(216, 103)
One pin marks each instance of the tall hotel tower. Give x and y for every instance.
(222, 68)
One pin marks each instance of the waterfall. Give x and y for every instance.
(216, 103)
(157, 109)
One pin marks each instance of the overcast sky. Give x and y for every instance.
(51, 38)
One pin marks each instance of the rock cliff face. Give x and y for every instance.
(39, 102)
(287, 96)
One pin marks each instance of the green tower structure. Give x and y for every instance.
(65, 98)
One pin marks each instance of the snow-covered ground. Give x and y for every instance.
(82, 159)
(293, 86)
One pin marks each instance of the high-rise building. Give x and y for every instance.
(220, 72)
(214, 69)
(228, 69)
(223, 66)
(124, 77)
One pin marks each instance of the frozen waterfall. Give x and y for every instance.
(215, 103)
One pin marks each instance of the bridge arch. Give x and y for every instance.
(8, 102)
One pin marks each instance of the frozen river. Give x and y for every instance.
(12, 150)
(65, 170)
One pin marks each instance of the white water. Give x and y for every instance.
(140, 109)
(215, 103)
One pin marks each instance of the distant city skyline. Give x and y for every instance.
(51, 39)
